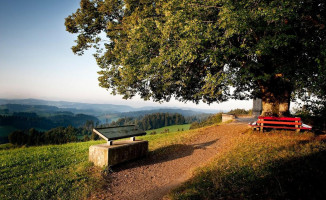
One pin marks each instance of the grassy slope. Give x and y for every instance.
(46, 172)
(61, 171)
(254, 166)
(173, 128)
(280, 165)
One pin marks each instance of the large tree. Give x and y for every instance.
(197, 50)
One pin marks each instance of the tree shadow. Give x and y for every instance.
(163, 154)
(297, 178)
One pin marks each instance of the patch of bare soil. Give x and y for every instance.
(154, 176)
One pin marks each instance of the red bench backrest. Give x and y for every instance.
(280, 118)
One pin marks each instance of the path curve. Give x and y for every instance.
(153, 177)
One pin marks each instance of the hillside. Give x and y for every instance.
(47, 117)
(106, 113)
(224, 161)
(169, 129)
(46, 172)
(100, 109)
(85, 108)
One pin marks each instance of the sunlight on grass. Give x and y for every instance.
(62, 171)
(164, 139)
(46, 172)
(174, 128)
(274, 165)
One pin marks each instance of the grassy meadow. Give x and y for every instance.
(61, 171)
(173, 128)
(276, 165)
(46, 172)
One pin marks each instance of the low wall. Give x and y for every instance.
(227, 117)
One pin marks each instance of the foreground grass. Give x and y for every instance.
(278, 165)
(46, 172)
(63, 171)
(174, 128)
(7, 146)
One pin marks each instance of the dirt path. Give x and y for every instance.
(153, 177)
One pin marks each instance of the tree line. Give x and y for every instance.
(26, 120)
(152, 121)
(58, 135)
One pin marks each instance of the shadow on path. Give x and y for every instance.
(164, 154)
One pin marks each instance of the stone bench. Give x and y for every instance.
(116, 152)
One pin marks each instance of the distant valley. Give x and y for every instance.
(95, 109)
(16, 114)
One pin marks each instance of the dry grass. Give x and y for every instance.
(275, 165)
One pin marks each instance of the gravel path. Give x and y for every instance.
(154, 176)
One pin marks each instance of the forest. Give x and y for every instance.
(152, 121)
(83, 132)
(32, 120)
(58, 135)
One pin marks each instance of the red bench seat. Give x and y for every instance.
(293, 123)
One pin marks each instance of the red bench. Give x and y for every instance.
(293, 123)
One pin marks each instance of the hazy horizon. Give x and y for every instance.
(146, 104)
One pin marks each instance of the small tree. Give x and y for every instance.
(86, 138)
(94, 136)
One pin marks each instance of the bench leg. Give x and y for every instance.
(298, 127)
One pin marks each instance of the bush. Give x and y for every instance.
(18, 137)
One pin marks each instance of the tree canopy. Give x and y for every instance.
(196, 50)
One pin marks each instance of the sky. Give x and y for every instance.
(36, 60)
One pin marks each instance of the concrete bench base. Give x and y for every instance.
(120, 151)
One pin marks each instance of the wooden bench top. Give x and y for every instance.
(118, 132)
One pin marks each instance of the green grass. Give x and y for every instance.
(158, 142)
(61, 171)
(46, 172)
(173, 128)
(7, 146)
(277, 165)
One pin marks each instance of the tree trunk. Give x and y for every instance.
(276, 94)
